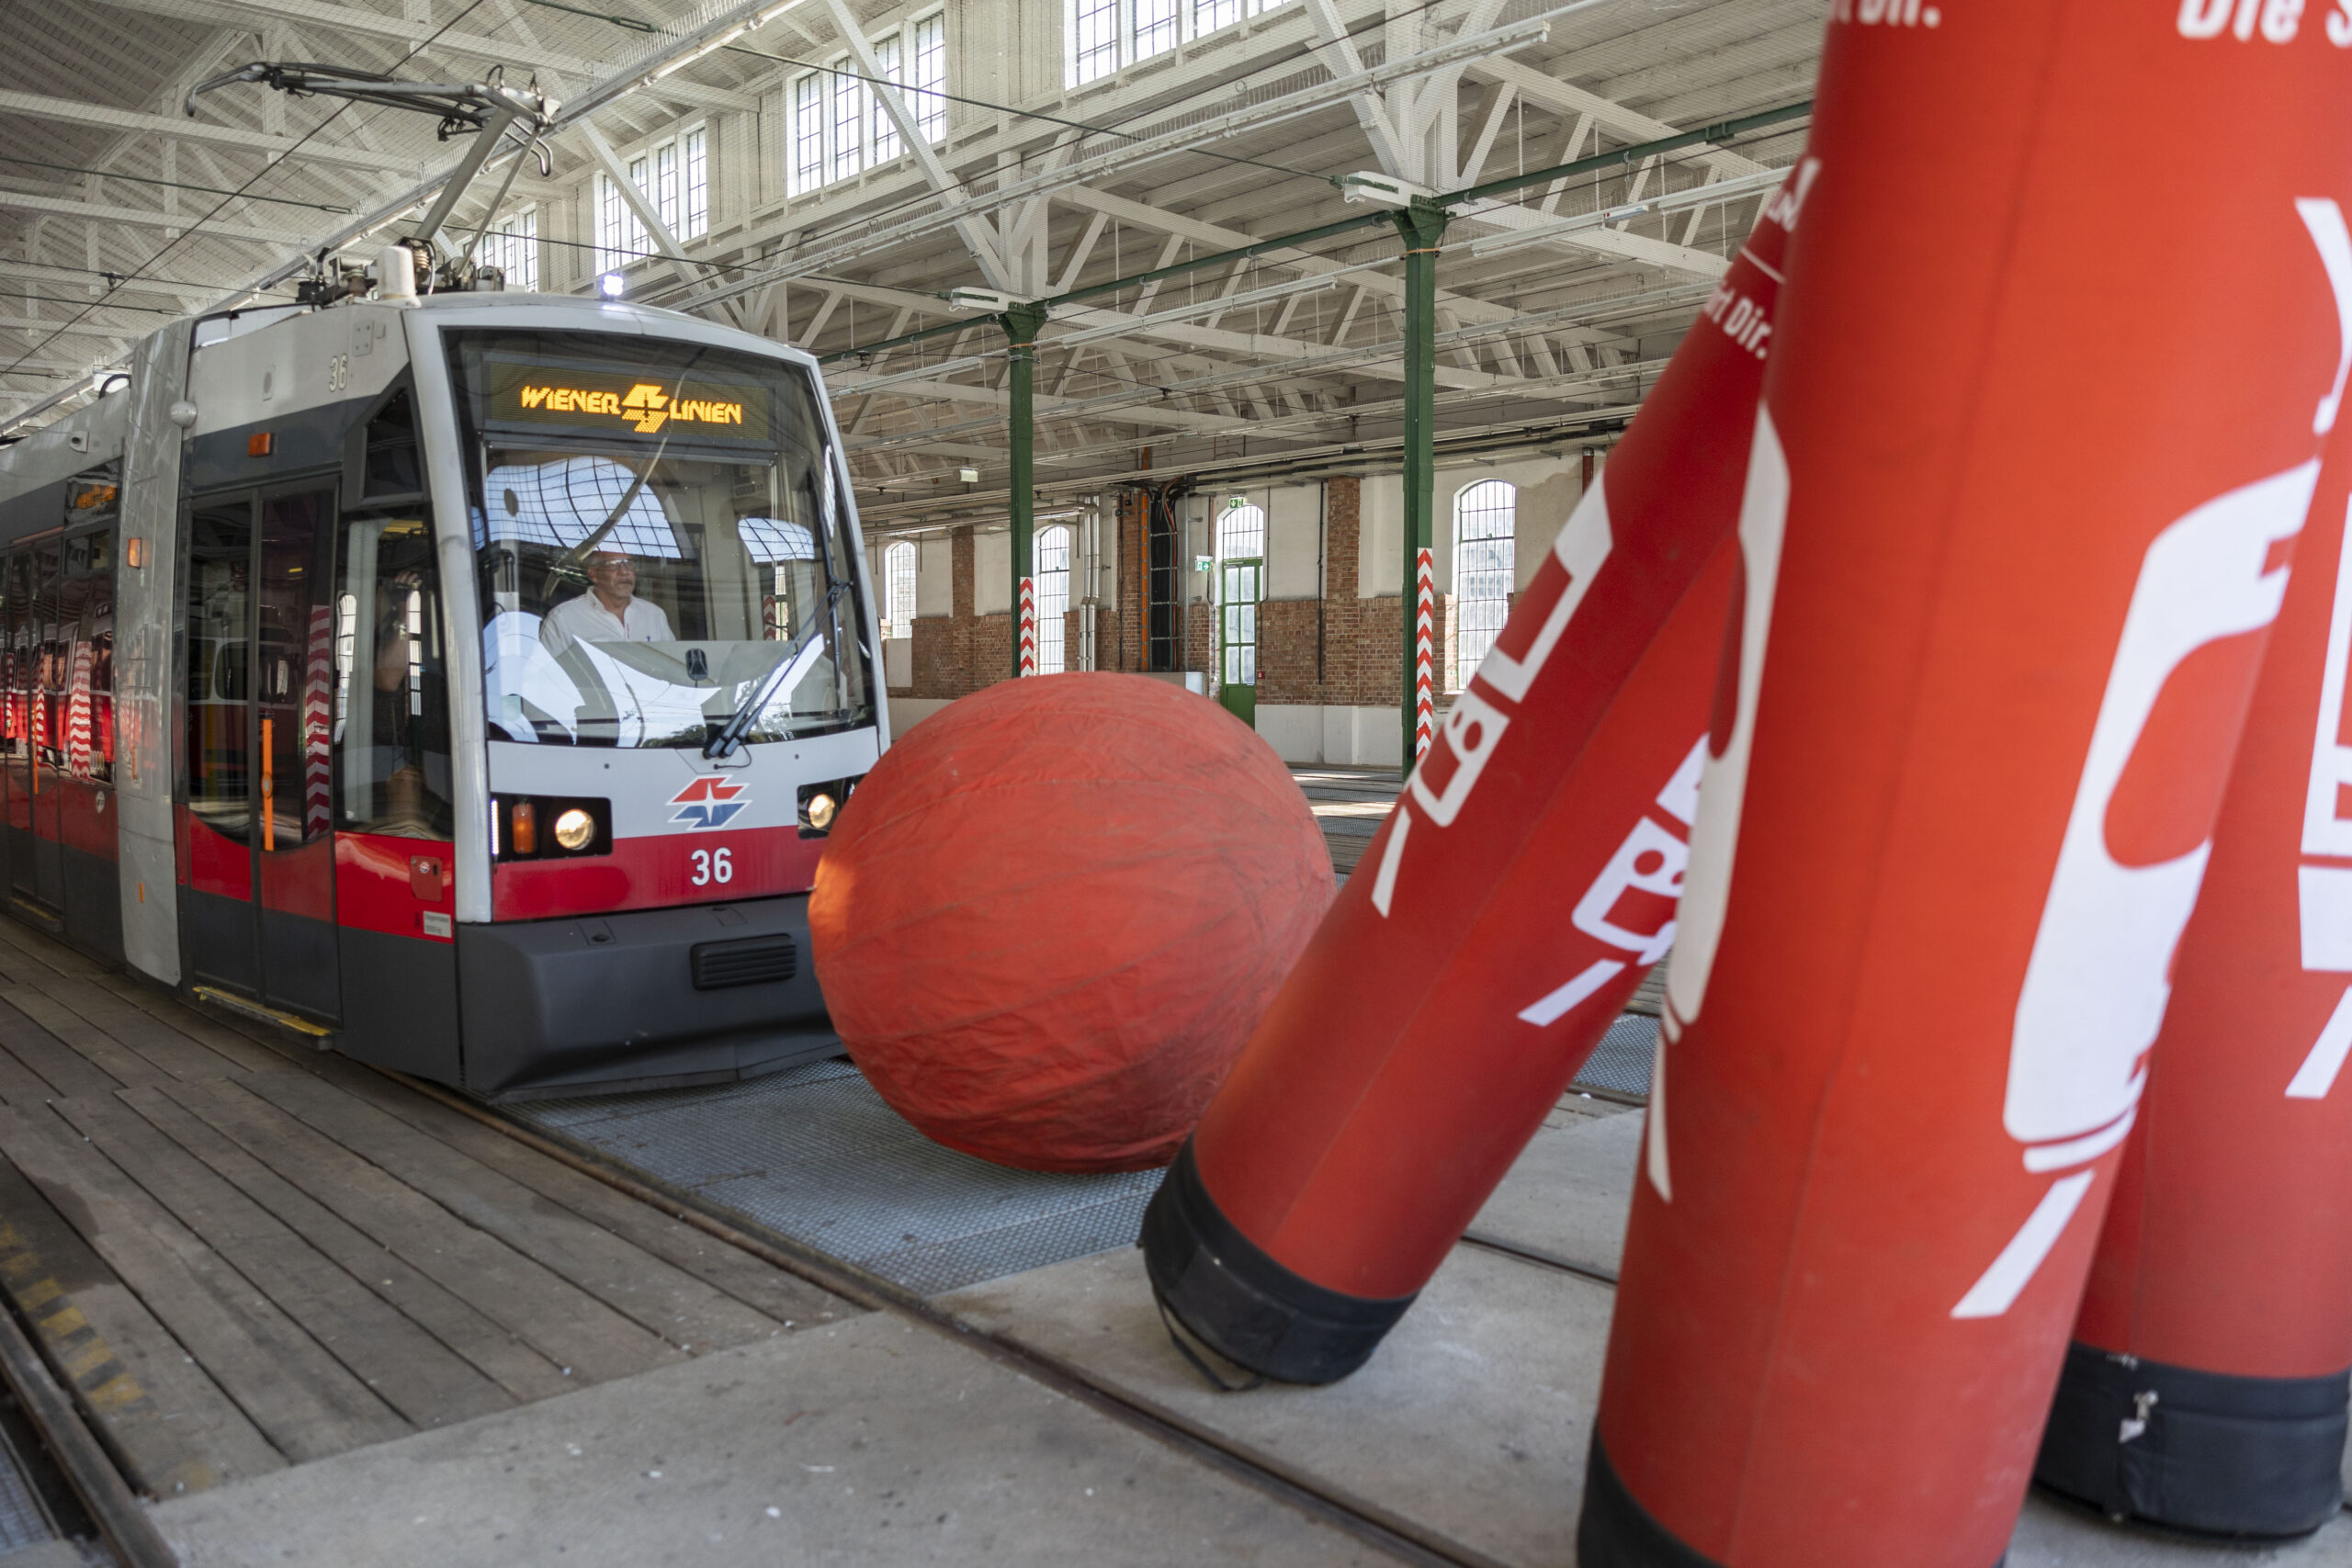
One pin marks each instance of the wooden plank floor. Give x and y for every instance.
(244, 1253)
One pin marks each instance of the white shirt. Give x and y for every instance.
(586, 619)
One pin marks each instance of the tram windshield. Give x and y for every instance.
(663, 544)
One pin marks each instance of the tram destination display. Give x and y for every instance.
(649, 401)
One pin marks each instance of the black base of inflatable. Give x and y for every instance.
(1616, 1531)
(1243, 1305)
(2202, 1452)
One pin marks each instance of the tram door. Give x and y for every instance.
(258, 852)
(36, 859)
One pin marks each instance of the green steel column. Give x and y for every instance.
(1021, 324)
(1423, 227)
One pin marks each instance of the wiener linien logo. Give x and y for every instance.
(646, 406)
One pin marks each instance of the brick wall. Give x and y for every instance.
(1361, 639)
(956, 654)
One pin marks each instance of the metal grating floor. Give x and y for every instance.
(813, 1153)
(1622, 1062)
(21, 1521)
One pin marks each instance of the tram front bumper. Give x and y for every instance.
(640, 998)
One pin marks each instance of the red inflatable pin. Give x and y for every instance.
(2016, 523)
(2206, 1388)
(1514, 898)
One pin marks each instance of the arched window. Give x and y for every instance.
(1053, 597)
(1242, 534)
(898, 588)
(1485, 562)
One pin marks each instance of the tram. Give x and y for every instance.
(467, 680)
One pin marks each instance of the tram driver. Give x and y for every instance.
(609, 612)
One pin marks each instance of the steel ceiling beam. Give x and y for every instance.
(37, 106)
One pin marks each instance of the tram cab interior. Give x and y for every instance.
(450, 679)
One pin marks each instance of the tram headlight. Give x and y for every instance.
(527, 828)
(820, 804)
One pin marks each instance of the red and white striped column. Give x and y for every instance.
(1424, 652)
(1027, 632)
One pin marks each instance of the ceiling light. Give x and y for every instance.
(1383, 191)
(610, 286)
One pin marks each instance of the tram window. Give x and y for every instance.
(45, 667)
(664, 543)
(20, 662)
(85, 623)
(220, 563)
(288, 670)
(95, 495)
(389, 465)
(392, 691)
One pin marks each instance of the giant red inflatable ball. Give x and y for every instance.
(1050, 917)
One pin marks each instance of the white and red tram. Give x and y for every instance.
(301, 713)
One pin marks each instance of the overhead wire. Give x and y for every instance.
(115, 277)
(168, 184)
(636, 25)
(93, 304)
(190, 231)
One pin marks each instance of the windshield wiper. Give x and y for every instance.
(788, 672)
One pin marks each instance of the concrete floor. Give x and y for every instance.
(881, 1442)
(874, 1442)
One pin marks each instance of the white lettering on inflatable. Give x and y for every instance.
(2079, 1151)
(1651, 860)
(1680, 798)
(2100, 977)
(1443, 779)
(2325, 220)
(2097, 981)
(1654, 1161)
(1889, 13)
(2317, 1074)
(1558, 1004)
(1998, 1290)
(1744, 321)
(1584, 544)
(2324, 894)
(1723, 788)
(2279, 20)
(2339, 24)
(1784, 207)
(1715, 835)
(2325, 830)
(1473, 729)
(1384, 882)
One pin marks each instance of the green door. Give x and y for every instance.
(1237, 637)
